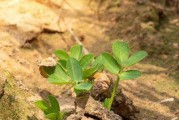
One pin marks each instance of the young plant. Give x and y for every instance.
(75, 69)
(50, 108)
(117, 62)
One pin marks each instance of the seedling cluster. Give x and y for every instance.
(77, 69)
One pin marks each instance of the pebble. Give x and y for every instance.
(167, 100)
(174, 21)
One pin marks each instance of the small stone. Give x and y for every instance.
(101, 84)
(175, 45)
(167, 100)
(47, 62)
(174, 21)
(149, 26)
(177, 24)
(175, 118)
(176, 56)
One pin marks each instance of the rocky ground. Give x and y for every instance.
(30, 30)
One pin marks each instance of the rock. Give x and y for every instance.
(175, 45)
(122, 105)
(92, 110)
(28, 19)
(101, 85)
(175, 118)
(167, 100)
(46, 64)
(96, 109)
(148, 26)
(174, 21)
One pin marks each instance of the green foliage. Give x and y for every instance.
(110, 63)
(59, 76)
(135, 58)
(75, 69)
(61, 54)
(116, 64)
(120, 51)
(76, 51)
(80, 88)
(50, 108)
(86, 60)
(130, 74)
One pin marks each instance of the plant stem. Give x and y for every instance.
(113, 93)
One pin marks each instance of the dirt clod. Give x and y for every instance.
(92, 109)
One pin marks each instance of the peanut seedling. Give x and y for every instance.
(116, 63)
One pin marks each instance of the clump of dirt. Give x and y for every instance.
(123, 106)
(92, 109)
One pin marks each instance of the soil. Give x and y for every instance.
(32, 36)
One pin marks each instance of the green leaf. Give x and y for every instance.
(82, 87)
(43, 105)
(121, 51)
(61, 54)
(52, 116)
(62, 63)
(86, 60)
(56, 116)
(60, 72)
(74, 69)
(61, 115)
(110, 63)
(136, 57)
(76, 51)
(106, 103)
(51, 108)
(88, 72)
(98, 63)
(56, 79)
(54, 103)
(59, 76)
(49, 69)
(130, 74)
